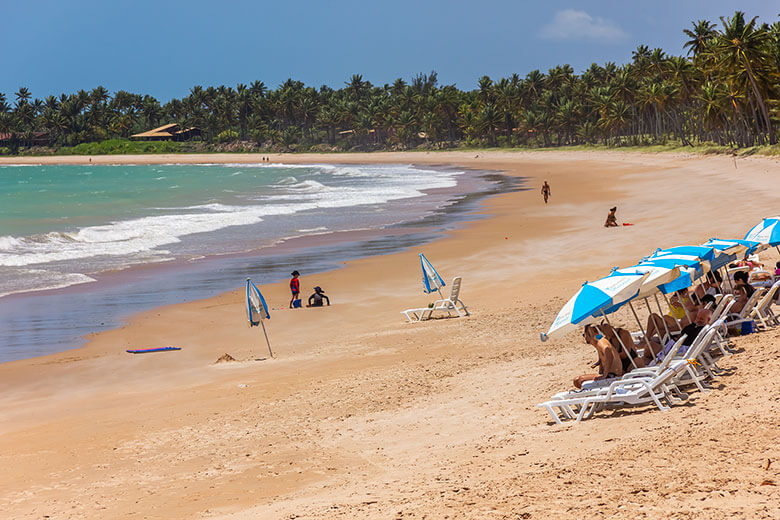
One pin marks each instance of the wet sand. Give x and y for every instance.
(361, 415)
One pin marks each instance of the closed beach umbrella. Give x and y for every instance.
(257, 310)
(767, 232)
(430, 278)
(593, 298)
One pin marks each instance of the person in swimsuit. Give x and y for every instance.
(609, 359)
(617, 335)
(611, 218)
(546, 191)
(295, 287)
(316, 299)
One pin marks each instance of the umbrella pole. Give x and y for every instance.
(625, 348)
(636, 317)
(262, 322)
(728, 280)
(661, 314)
(679, 327)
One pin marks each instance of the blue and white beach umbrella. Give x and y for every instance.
(767, 232)
(656, 275)
(593, 298)
(257, 310)
(694, 257)
(734, 247)
(688, 273)
(430, 278)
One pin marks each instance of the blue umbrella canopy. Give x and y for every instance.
(430, 278)
(256, 308)
(593, 298)
(766, 232)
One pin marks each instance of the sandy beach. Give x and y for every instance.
(362, 415)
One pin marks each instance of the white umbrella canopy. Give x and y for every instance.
(656, 275)
(593, 298)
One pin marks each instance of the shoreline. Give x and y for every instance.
(316, 253)
(362, 415)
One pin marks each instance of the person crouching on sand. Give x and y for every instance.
(316, 299)
(611, 218)
(609, 359)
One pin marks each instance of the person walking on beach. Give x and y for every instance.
(295, 287)
(546, 191)
(316, 299)
(611, 218)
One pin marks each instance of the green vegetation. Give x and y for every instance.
(723, 96)
(124, 147)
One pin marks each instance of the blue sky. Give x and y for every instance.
(164, 47)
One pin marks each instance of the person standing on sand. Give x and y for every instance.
(546, 191)
(295, 287)
(611, 218)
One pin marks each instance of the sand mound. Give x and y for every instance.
(225, 358)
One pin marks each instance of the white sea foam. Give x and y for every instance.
(143, 238)
(26, 280)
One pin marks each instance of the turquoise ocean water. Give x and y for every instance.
(81, 247)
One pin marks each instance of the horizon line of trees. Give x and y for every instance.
(726, 91)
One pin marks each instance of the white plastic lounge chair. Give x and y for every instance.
(721, 308)
(762, 313)
(449, 305)
(743, 315)
(640, 390)
(568, 402)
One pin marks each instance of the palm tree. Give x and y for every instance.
(743, 48)
(702, 34)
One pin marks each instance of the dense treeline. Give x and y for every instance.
(725, 91)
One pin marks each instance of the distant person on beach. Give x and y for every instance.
(295, 287)
(611, 218)
(609, 359)
(316, 299)
(546, 191)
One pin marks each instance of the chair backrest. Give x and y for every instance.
(751, 303)
(766, 300)
(702, 341)
(672, 352)
(455, 289)
(721, 304)
(724, 311)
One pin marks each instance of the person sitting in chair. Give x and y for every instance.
(609, 359)
(316, 299)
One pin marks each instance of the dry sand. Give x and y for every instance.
(364, 416)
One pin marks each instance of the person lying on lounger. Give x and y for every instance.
(616, 336)
(609, 359)
(712, 285)
(742, 293)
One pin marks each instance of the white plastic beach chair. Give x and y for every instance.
(743, 315)
(721, 308)
(762, 313)
(636, 391)
(568, 403)
(453, 303)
